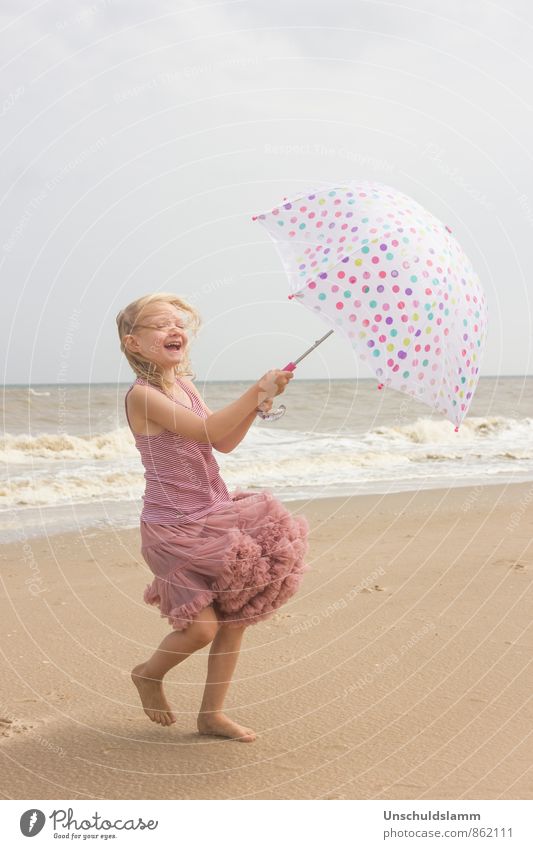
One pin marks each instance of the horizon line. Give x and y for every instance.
(232, 380)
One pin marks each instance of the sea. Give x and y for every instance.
(68, 460)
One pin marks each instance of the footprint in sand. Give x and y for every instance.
(8, 727)
(277, 617)
(516, 565)
(375, 589)
(58, 696)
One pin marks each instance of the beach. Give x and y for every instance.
(400, 670)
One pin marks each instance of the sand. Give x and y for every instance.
(401, 670)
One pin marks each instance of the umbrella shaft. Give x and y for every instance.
(312, 348)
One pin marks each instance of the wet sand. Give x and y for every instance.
(401, 670)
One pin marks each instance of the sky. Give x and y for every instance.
(139, 139)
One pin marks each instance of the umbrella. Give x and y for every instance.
(386, 274)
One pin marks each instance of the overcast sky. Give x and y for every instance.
(138, 139)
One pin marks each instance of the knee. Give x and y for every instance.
(230, 636)
(204, 632)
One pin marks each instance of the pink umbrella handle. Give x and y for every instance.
(289, 367)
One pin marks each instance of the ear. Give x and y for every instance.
(130, 342)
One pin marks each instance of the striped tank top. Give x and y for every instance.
(182, 476)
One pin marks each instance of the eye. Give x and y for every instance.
(168, 325)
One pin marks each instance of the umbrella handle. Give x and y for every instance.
(279, 412)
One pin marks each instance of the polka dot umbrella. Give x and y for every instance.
(390, 277)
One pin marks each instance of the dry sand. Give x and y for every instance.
(401, 670)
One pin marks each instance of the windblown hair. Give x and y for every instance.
(135, 313)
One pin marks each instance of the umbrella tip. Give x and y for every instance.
(254, 217)
(290, 296)
(456, 429)
(380, 385)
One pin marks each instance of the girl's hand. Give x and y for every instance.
(266, 406)
(273, 383)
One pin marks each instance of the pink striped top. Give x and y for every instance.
(182, 476)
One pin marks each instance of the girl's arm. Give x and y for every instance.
(229, 442)
(155, 407)
(232, 439)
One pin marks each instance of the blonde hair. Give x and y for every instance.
(131, 315)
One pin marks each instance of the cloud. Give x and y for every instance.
(139, 139)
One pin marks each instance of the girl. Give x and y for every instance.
(222, 561)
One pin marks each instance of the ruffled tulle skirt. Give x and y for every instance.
(245, 560)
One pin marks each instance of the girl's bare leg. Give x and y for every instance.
(223, 657)
(176, 647)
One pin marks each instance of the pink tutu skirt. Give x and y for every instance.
(245, 560)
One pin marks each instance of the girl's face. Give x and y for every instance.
(159, 335)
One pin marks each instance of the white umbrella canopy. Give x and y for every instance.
(384, 272)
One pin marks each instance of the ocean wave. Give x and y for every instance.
(51, 490)
(300, 470)
(84, 483)
(32, 391)
(20, 448)
(423, 431)
(276, 442)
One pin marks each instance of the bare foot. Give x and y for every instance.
(222, 726)
(152, 697)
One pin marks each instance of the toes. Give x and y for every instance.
(246, 735)
(162, 717)
(231, 730)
